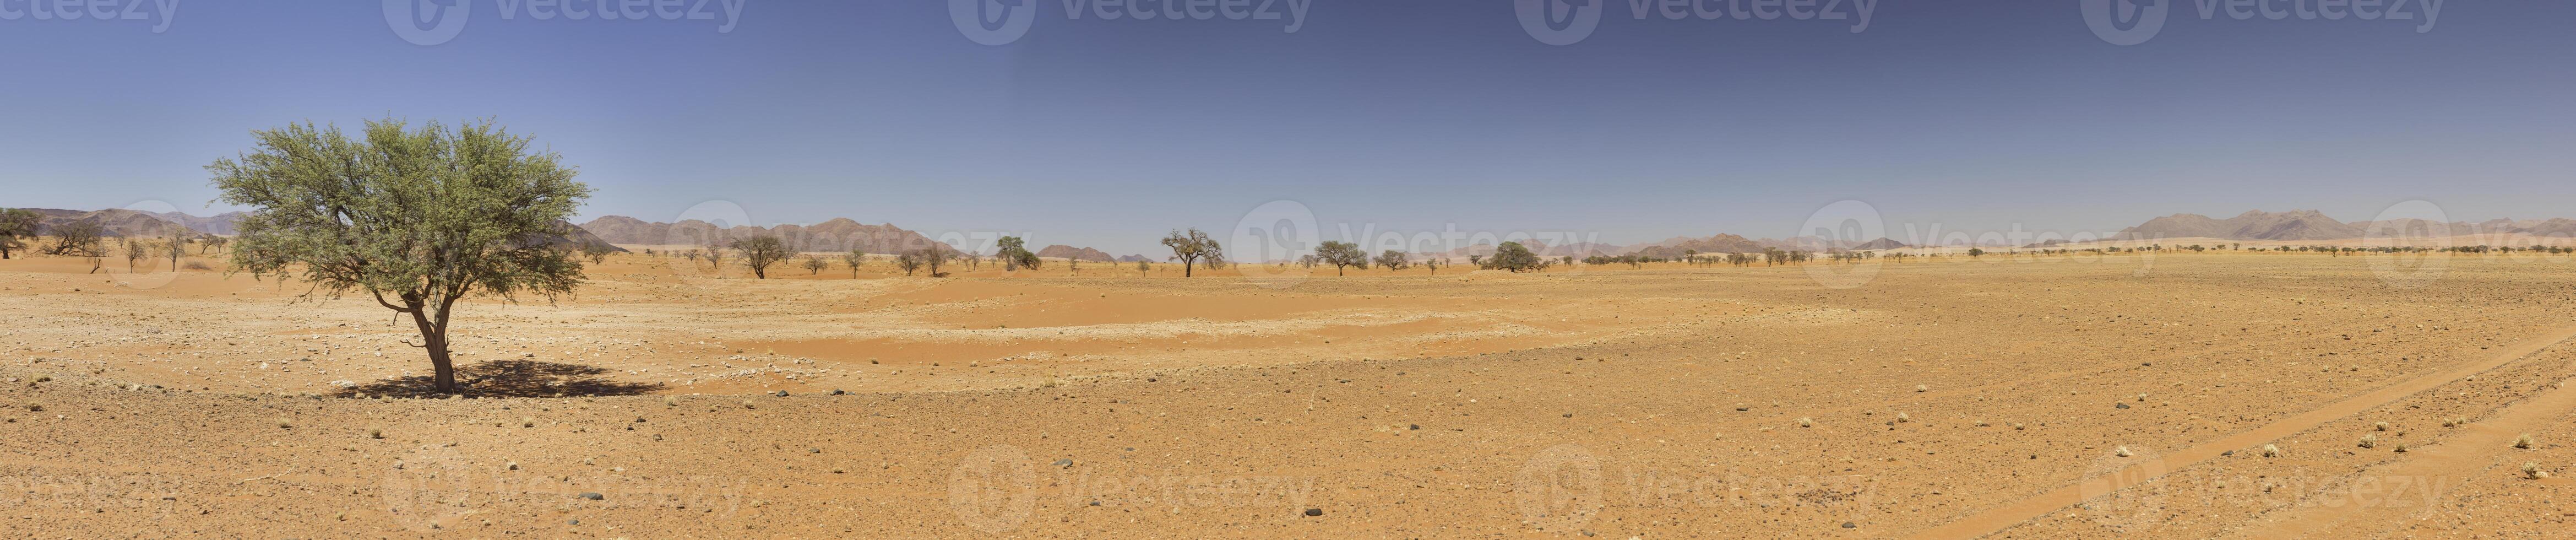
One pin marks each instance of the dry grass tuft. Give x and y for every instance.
(2532, 470)
(1806, 422)
(2122, 452)
(2368, 441)
(2270, 450)
(2523, 442)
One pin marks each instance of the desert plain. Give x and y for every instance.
(2229, 394)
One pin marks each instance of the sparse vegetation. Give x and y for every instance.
(1806, 422)
(815, 265)
(1015, 254)
(2122, 452)
(2531, 470)
(2271, 450)
(1393, 260)
(2523, 442)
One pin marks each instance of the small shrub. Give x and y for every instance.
(2271, 450)
(2532, 470)
(1806, 422)
(1921, 388)
(746, 404)
(2523, 442)
(375, 433)
(670, 401)
(2368, 441)
(2454, 422)
(2379, 426)
(527, 421)
(2122, 452)
(283, 423)
(1902, 417)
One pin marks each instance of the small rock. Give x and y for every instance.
(781, 393)
(1068, 462)
(1850, 525)
(592, 496)
(2120, 405)
(1312, 512)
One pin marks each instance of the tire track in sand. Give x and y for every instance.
(2407, 488)
(1996, 519)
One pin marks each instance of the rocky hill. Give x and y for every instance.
(1061, 251)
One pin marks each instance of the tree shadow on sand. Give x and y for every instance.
(511, 378)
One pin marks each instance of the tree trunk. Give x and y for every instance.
(433, 336)
(1186, 263)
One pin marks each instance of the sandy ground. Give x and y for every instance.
(1945, 398)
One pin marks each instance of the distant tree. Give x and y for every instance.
(909, 262)
(692, 255)
(1976, 252)
(1142, 267)
(1073, 264)
(1341, 255)
(1432, 263)
(177, 247)
(78, 239)
(1393, 260)
(1514, 257)
(134, 251)
(416, 219)
(597, 252)
(935, 256)
(854, 258)
(762, 252)
(715, 258)
(17, 226)
(211, 242)
(1191, 247)
(1015, 254)
(815, 265)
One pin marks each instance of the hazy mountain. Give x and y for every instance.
(1061, 251)
(1879, 244)
(839, 234)
(226, 224)
(114, 221)
(2254, 225)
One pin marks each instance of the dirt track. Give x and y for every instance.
(1659, 403)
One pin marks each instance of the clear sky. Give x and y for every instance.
(1397, 114)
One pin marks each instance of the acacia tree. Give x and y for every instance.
(177, 247)
(1015, 254)
(1393, 260)
(15, 225)
(1514, 257)
(815, 265)
(715, 259)
(762, 252)
(1191, 247)
(1142, 267)
(854, 258)
(417, 219)
(134, 252)
(909, 262)
(1341, 255)
(79, 239)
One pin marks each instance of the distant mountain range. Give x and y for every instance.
(2300, 225)
(839, 234)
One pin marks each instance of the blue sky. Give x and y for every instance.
(1404, 115)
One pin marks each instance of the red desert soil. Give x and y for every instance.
(1948, 398)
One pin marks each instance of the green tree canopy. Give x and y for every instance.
(416, 218)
